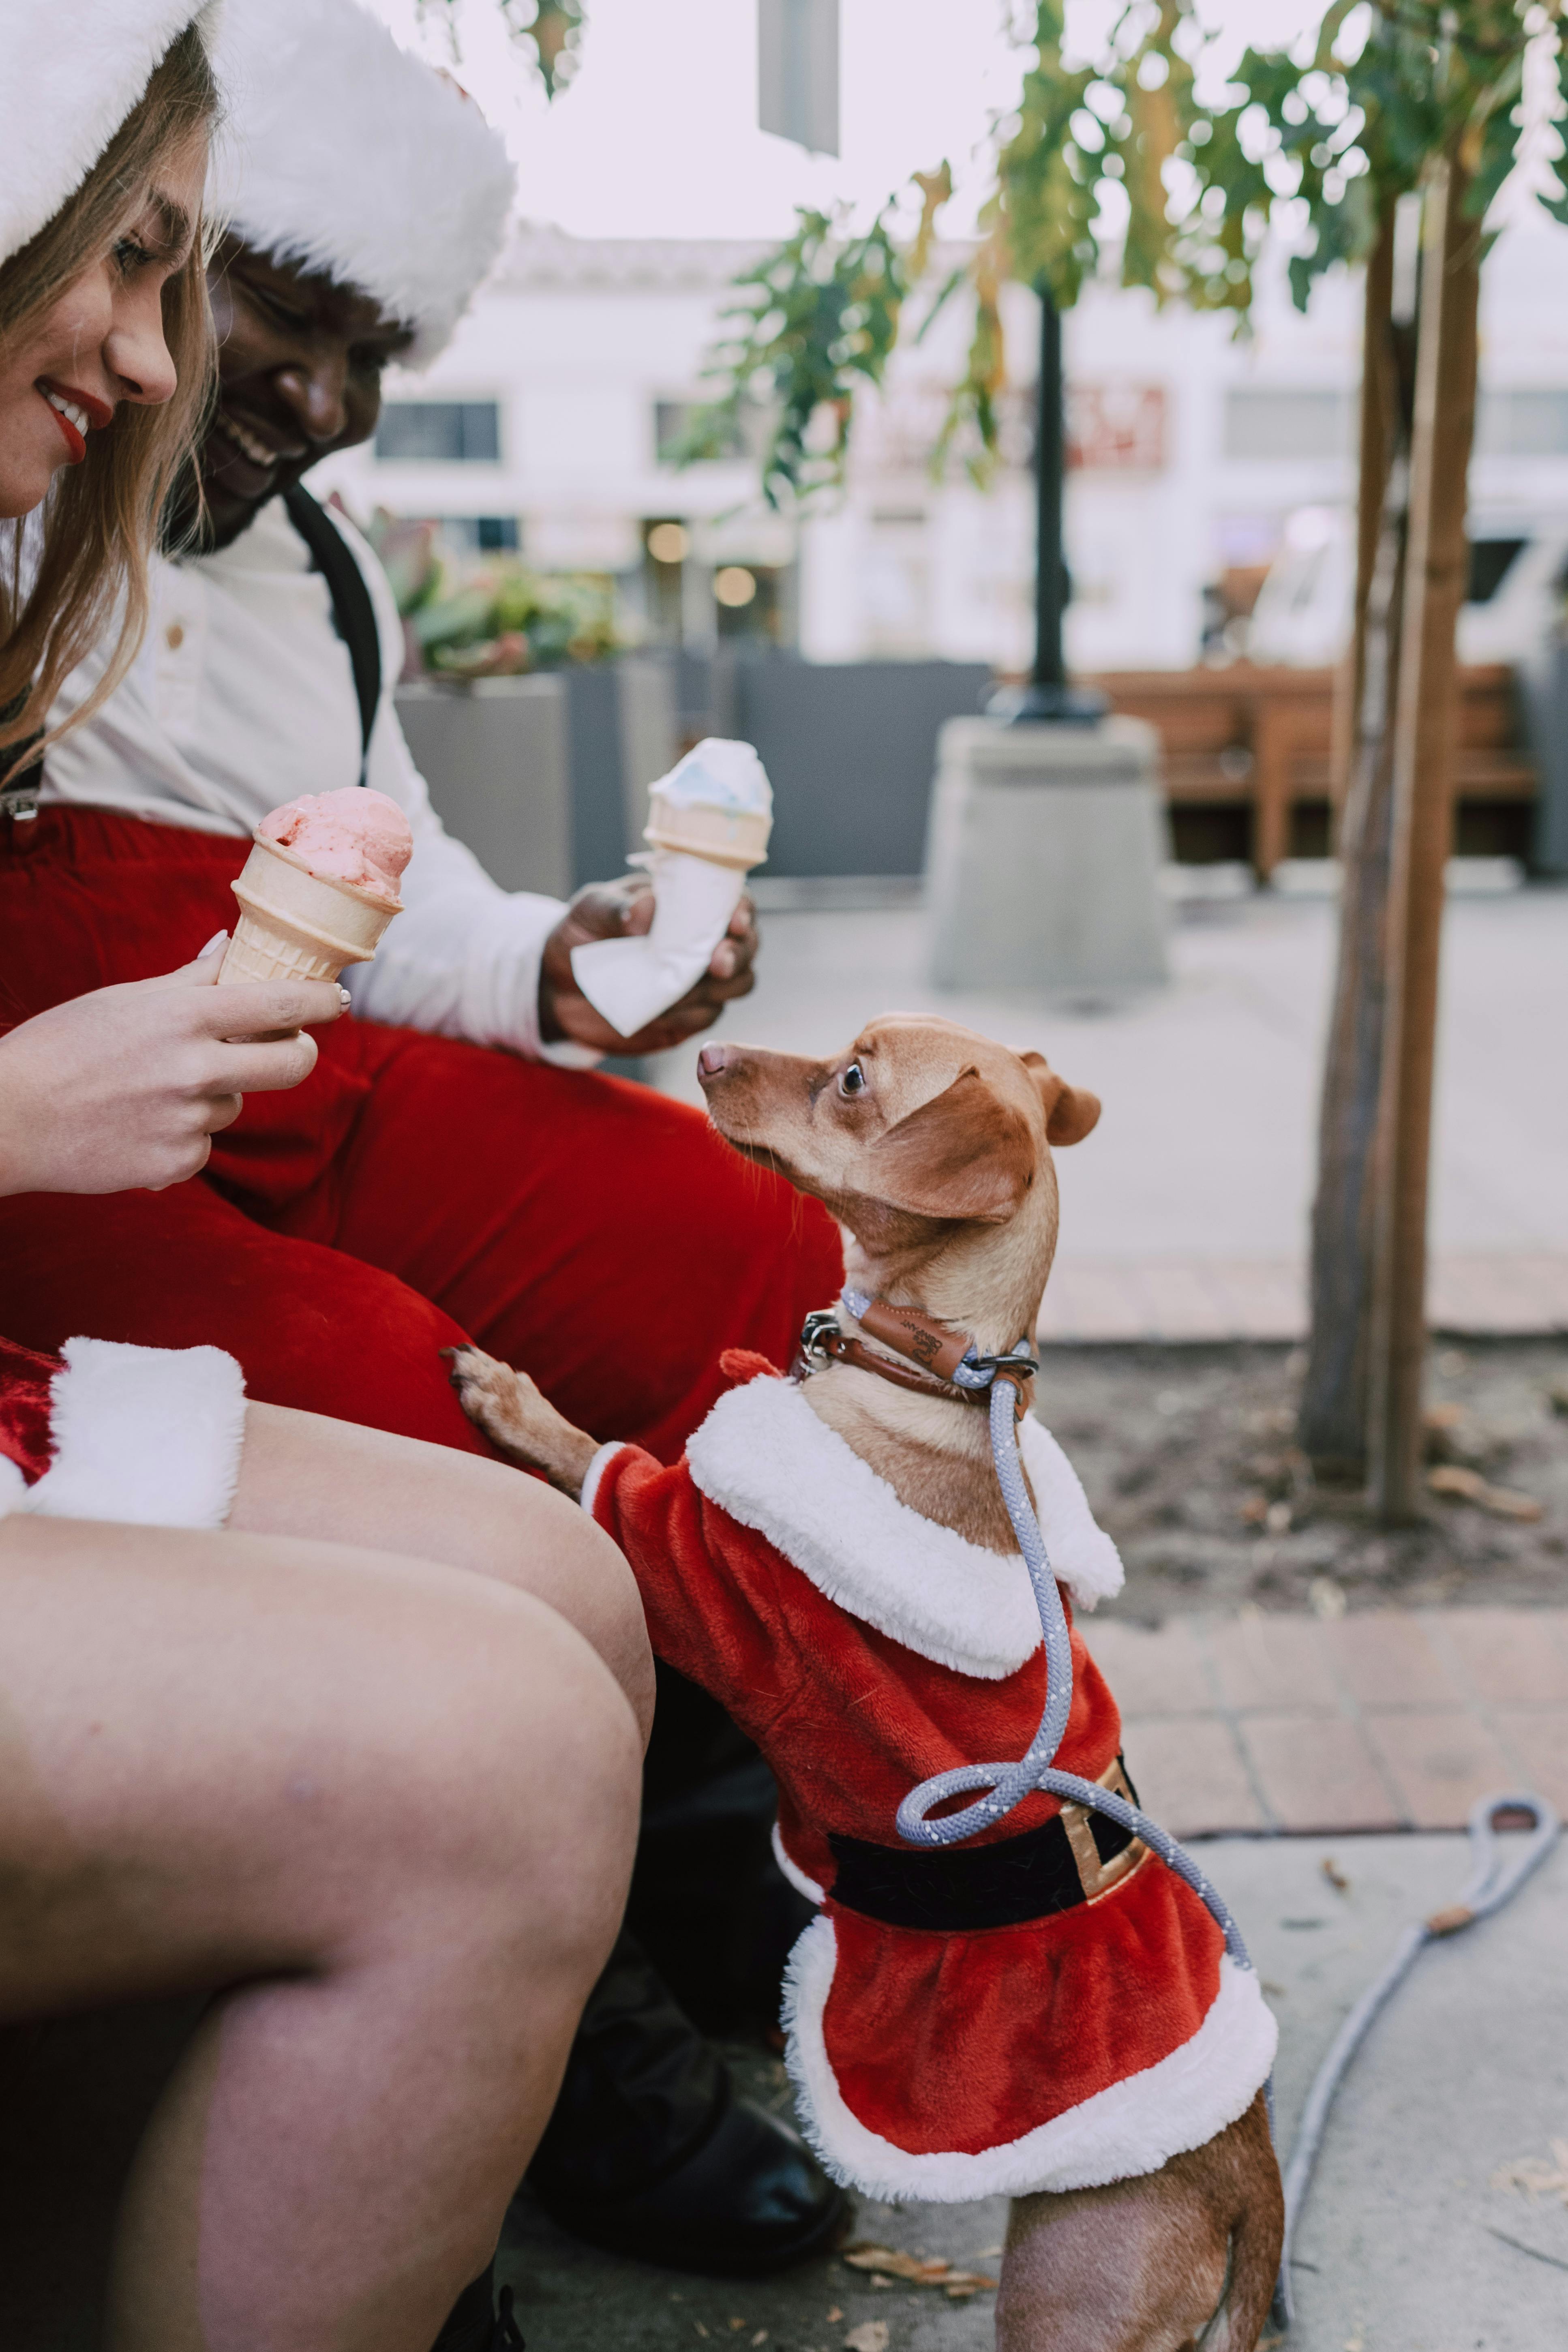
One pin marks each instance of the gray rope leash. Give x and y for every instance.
(1494, 1879)
(1007, 1785)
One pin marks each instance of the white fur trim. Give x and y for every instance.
(346, 154)
(14, 1488)
(596, 1469)
(71, 76)
(794, 1873)
(765, 1457)
(148, 1435)
(1131, 2127)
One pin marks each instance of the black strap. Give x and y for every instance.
(949, 1890)
(353, 615)
(21, 773)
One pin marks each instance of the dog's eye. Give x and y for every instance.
(853, 1082)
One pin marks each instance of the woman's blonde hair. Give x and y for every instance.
(101, 518)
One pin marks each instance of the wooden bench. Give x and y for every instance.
(1264, 738)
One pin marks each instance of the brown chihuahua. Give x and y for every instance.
(1044, 2011)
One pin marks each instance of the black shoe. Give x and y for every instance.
(650, 2153)
(473, 2323)
(750, 2201)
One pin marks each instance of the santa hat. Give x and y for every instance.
(71, 77)
(346, 154)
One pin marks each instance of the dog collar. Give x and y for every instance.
(937, 1361)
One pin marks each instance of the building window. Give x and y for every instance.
(1522, 425)
(480, 534)
(439, 431)
(1286, 425)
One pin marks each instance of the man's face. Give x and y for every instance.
(300, 367)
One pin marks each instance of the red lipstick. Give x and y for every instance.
(98, 412)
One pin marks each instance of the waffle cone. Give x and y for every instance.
(725, 836)
(295, 924)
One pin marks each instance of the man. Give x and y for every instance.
(422, 1186)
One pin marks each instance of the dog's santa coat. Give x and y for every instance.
(865, 1648)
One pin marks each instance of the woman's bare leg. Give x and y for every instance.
(393, 1808)
(303, 1475)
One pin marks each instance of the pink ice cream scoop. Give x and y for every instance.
(356, 835)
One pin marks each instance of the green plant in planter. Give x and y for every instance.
(492, 620)
(505, 619)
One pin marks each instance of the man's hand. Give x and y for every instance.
(619, 910)
(125, 1088)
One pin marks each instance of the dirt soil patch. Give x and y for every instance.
(1189, 1458)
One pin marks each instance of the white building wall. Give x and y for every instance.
(577, 341)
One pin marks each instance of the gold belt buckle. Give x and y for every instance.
(1096, 1877)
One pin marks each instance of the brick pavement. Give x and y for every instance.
(1475, 1293)
(1384, 1720)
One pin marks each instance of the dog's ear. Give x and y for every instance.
(1071, 1112)
(966, 1153)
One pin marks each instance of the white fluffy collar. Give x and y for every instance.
(763, 1456)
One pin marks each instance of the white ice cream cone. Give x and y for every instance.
(296, 924)
(726, 836)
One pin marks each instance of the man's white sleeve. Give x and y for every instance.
(463, 957)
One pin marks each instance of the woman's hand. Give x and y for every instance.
(622, 910)
(125, 1088)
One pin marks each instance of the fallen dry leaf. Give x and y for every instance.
(760, 2337)
(888, 2262)
(1334, 1875)
(834, 2315)
(1535, 2176)
(871, 2336)
(1470, 1486)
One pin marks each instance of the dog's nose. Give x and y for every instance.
(713, 1062)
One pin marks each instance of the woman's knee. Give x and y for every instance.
(532, 1779)
(543, 1544)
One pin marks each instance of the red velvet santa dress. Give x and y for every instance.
(147, 1436)
(1045, 2008)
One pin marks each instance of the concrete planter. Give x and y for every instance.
(1043, 857)
(494, 753)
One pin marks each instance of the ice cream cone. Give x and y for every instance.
(293, 925)
(726, 836)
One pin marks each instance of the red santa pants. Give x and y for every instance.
(413, 1192)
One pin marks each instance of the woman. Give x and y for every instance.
(389, 1807)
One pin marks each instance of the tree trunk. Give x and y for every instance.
(1425, 730)
(1333, 1427)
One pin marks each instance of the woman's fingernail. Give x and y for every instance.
(344, 998)
(219, 940)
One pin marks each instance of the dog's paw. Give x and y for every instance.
(494, 1395)
(518, 1419)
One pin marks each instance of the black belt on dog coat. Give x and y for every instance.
(948, 1889)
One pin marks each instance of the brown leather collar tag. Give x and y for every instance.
(930, 1345)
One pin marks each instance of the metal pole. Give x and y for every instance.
(1049, 582)
(1047, 699)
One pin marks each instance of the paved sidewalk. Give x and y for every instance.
(1384, 1720)
(1472, 1293)
(1417, 2237)
(1185, 1216)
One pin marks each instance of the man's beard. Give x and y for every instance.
(191, 527)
